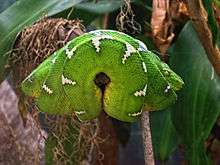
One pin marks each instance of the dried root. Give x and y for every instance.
(125, 20)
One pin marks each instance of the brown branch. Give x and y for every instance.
(199, 18)
(162, 27)
(109, 152)
(147, 142)
(18, 144)
(105, 21)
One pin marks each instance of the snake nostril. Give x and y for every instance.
(102, 80)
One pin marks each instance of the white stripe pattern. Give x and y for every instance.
(96, 41)
(54, 60)
(67, 81)
(70, 53)
(80, 112)
(141, 92)
(135, 114)
(129, 49)
(144, 67)
(47, 89)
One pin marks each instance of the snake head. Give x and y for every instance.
(172, 78)
(32, 85)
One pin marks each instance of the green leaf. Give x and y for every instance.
(100, 7)
(164, 136)
(198, 104)
(23, 13)
(89, 11)
(5, 4)
(217, 2)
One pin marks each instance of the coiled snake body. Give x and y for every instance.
(137, 79)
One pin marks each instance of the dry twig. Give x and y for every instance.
(199, 18)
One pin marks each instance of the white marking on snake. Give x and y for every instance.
(129, 49)
(166, 72)
(67, 81)
(69, 53)
(96, 41)
(47, 89)
(80, 112)
(141, 92)
(167, 89)
(135, 114)
(29, 79)
(97, 33)
(144, 67)
(54, 60)
(142, 46)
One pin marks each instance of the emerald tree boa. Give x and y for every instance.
(137, 79)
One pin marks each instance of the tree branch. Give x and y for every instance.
(147, 142)
(199, 18)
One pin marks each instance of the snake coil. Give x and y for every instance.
(102, 69)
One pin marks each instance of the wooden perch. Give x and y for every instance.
(147, 141)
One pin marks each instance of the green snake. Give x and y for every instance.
(137, 79)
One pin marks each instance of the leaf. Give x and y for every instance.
(100, 7)
(23, 13)
(164, 136)
(89, 11)
(198, 104)
(5, 4)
